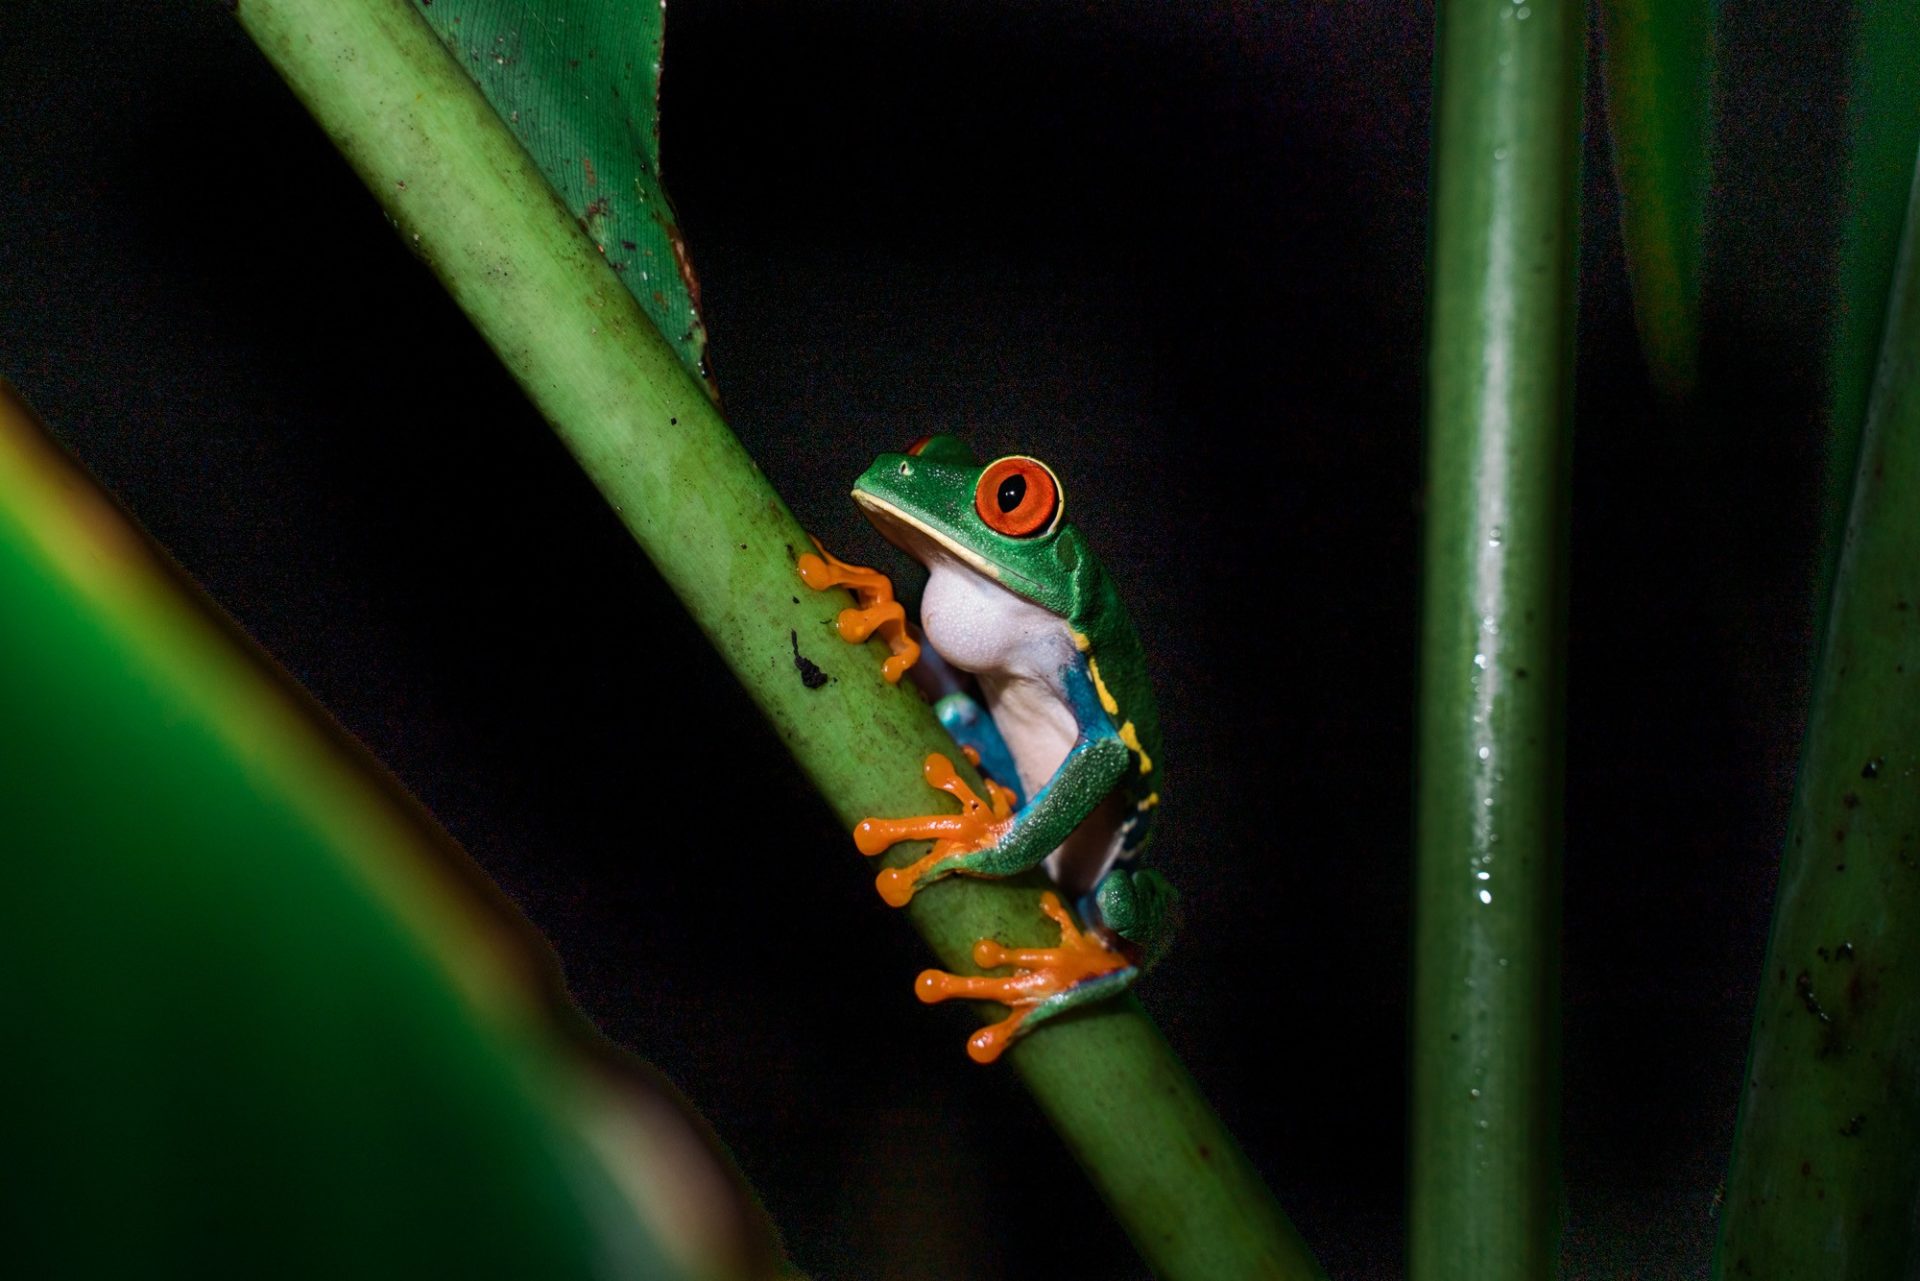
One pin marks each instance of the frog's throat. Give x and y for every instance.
(880, 511)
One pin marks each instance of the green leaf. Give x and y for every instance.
(1826, 1157)
(261, 1017)
(464, 194)
(578, 83)
(1883, 130)
(1484, 1195)
(1657, 71)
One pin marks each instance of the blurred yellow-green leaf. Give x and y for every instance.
(1658, 76)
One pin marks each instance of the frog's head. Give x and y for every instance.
(1006, 520)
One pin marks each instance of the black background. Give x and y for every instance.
(1179, 252)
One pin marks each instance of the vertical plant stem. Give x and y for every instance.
(471, 202)
(1658, 74)
(1883, 127)
(1485, 1190)
(1826, 1159)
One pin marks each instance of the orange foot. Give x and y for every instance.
(1042, 976)
(978, 825)
(877, 611)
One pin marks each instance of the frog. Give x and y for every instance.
(1065, 729)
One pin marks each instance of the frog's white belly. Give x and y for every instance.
(1017, 649)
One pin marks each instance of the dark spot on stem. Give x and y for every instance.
(1851, 801)
(810, 674)
(1872, 768)
(1851, 1130)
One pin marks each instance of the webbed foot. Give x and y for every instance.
(1139, 906)
(877, 611)
(977, 826)
(1046, 981)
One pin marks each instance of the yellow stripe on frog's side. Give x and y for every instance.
(1082, 642)
(1131, 737)
(1107, 700)
(1128, 734)
(1152, 799)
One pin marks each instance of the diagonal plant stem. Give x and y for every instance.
(472, 205)
(1826, 1157)
(1484, 1192)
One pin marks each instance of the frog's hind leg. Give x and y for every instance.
(1046, 982)
(1140, 906)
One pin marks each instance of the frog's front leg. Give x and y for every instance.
(1046, 982)
(986, 838)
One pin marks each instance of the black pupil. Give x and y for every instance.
(1012, 490)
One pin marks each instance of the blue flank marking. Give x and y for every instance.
(1088, 715)
(969, 725)
(1089, 718)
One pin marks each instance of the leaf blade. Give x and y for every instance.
(1657, 71)
(578, 83)
(1826, 1158)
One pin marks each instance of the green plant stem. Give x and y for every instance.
(1484, 1190)
(1658, 75)
(1826, 1157)
(476, 210)
(1883, 127)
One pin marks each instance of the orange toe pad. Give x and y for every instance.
(877, 610)
(978, 825)
(1040, 974)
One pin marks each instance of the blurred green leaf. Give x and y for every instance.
(261, 1016)
(1826, 1158)
(1657, 70)
(578, 83)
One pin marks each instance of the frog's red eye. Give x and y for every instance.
(913, 450)
(1018, 497)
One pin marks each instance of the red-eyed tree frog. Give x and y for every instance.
(1068, 739)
